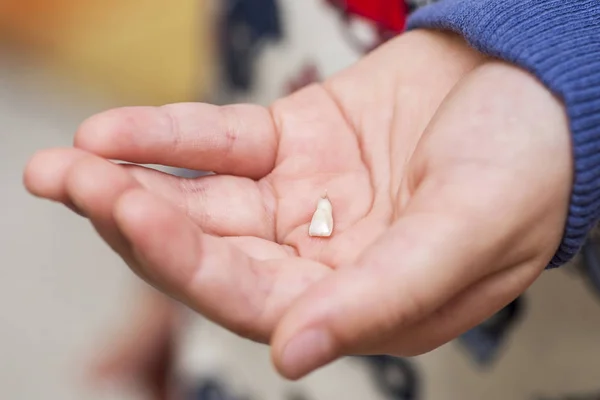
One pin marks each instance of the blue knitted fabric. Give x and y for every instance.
(559, 42)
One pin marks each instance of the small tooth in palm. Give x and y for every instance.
(321, 224)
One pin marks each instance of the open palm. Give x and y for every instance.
(434, 184)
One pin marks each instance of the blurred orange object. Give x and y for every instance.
(141, 51)
(41, 22)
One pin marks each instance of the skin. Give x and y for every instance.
(449, 175)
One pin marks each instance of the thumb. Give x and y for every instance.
(404, 277)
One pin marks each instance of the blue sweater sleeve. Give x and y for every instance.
(559, 42)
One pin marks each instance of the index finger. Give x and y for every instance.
(237, 139)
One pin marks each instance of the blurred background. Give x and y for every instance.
(72, 316)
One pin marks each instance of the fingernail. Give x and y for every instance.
(306, 352)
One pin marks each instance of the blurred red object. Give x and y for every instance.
(389, 15)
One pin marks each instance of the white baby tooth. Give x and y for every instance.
(321, 224)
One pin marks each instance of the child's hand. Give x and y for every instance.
(449, 176)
